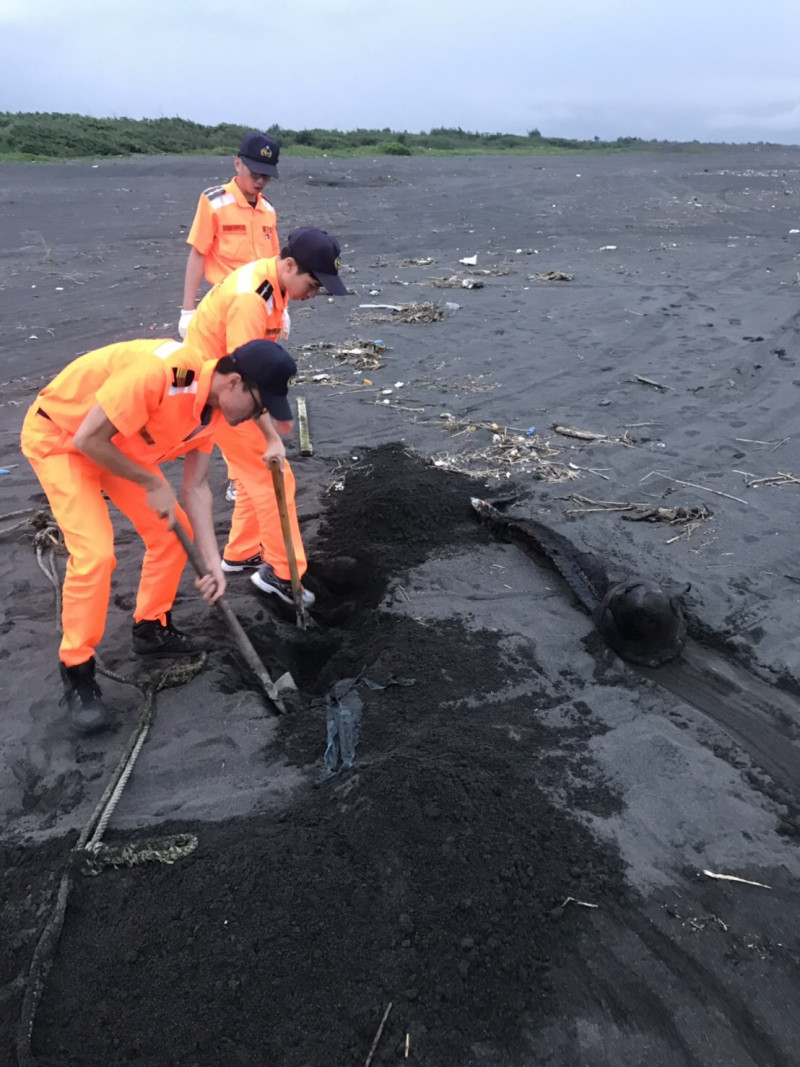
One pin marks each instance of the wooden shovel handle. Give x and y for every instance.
(283, 511)
(243, 642)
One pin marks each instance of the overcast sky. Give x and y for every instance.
(719, 70)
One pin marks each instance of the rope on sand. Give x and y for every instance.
(89, 854)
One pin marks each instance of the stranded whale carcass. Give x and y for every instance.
(639, 619)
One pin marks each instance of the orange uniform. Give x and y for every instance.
(228, 231)
(246, 306)
(155, 393)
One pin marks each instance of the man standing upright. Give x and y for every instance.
(234, 223)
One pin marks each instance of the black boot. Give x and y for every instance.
(151, 638)
(85, 709)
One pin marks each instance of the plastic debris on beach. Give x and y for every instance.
(343, 721)
(552, 276)
(343, 712)
(457, 281)
(359, 353)
(469, 261)
(509, 451)
(420, 313)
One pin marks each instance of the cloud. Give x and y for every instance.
(777, 118)
(576, 68)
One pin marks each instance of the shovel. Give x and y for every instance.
(240, 637)
(297, 589)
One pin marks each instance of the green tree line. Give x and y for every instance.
(52, 135)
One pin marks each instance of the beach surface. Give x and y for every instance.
(519, 864)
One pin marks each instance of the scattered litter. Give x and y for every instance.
(733, 878)
(509, 451)
(343, 720)
(751, 481)
(424, 313)
(361, 354)
(343, 711)
(392, 680)
(320, 378)
(637, 512)
(424, 262)
(377, 1038)
(574, 900)
(471, 283)
(469, 261)
(649, 381)
(530, 431)
(590, 435)
(599, 471)
(399, 385)
(693, 485)
(607, 248)
(559, 910)
(552, 276)
(386, 392)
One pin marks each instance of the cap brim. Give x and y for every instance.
(257, 166)
(333, 283)
(278, 406)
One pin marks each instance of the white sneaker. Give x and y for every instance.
(268, 582)
(233, 566)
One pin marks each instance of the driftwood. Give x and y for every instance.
(637, 512)
(590, 435)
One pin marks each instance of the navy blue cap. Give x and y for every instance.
(271, 369)
(259, 153)
(318, 253)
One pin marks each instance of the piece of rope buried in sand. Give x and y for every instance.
(89, 854)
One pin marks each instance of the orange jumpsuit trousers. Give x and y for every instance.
(256, 524)
(74, 486)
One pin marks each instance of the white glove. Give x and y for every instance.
(286, 326)
(183, 325)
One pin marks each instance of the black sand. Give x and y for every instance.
(526, 765)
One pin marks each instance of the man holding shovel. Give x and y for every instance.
(104, 426)
(250, 304)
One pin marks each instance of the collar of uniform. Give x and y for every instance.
(205, 374)
(241, 199)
